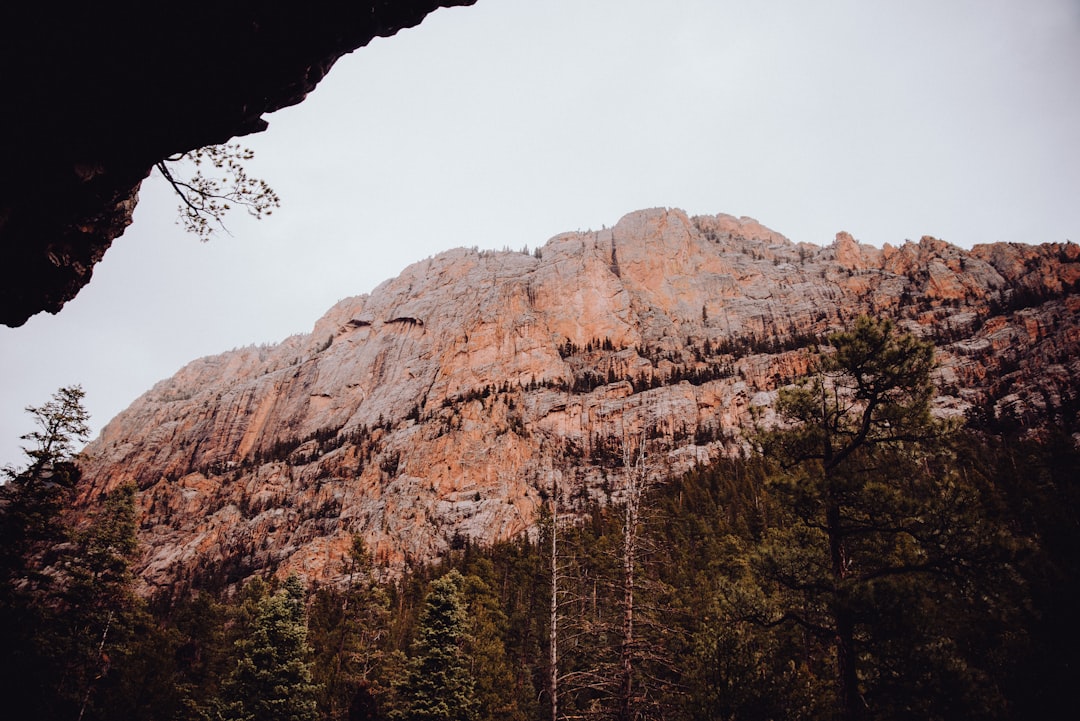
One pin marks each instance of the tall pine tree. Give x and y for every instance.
(272, 678)
(439, 685)
(348, 627)
(875, 531)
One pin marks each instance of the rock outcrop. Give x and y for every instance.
(442, 406)
(98, 93)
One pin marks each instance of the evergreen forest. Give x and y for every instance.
(862, 560)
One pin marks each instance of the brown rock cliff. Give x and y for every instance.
(441, 406)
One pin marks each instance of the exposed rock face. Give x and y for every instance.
(441, 406)
(99, 93)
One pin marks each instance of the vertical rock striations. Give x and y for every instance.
(437, 408)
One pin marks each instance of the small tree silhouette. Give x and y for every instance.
(207, 196)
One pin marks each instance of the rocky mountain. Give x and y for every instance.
(444, 405)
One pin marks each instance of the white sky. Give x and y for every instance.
(508, 122)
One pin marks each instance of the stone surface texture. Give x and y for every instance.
(444, 405)
(97, 93)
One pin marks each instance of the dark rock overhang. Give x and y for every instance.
(97, 93)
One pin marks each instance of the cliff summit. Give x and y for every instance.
(440, 408)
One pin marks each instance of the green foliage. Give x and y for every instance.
(60, 422)
(952, 642)
(31, 530)
(348, 629)
(510, 609)
(65, 603)
(200, 654)
(959, 562)
(873, 389)
(1036, 490)
(75, 642)
(439, 685)
(878, 543)
(272, 680)
(980, 635)
(98, 603)
(99, 570)
(32, 500)
(217, 182)
(495, 687)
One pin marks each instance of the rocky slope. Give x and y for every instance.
(444, 405)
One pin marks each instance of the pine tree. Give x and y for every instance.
(33, 538)
(874, 525)
(347, 628)
(61, 422)
(870, 395)
(272, 678)
(495, 688)
(201, 653)
(439, 685)
(99, 608)
(32, 499)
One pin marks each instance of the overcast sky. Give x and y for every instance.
(508, 122)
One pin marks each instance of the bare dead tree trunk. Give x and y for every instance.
(634, 467)
(553, 638)
(104, 670)
(626, 686)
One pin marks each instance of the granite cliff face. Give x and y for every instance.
(443, 405)
(97, 93)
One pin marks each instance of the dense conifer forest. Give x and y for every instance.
(862, 561)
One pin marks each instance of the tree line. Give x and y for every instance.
(866, 560)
